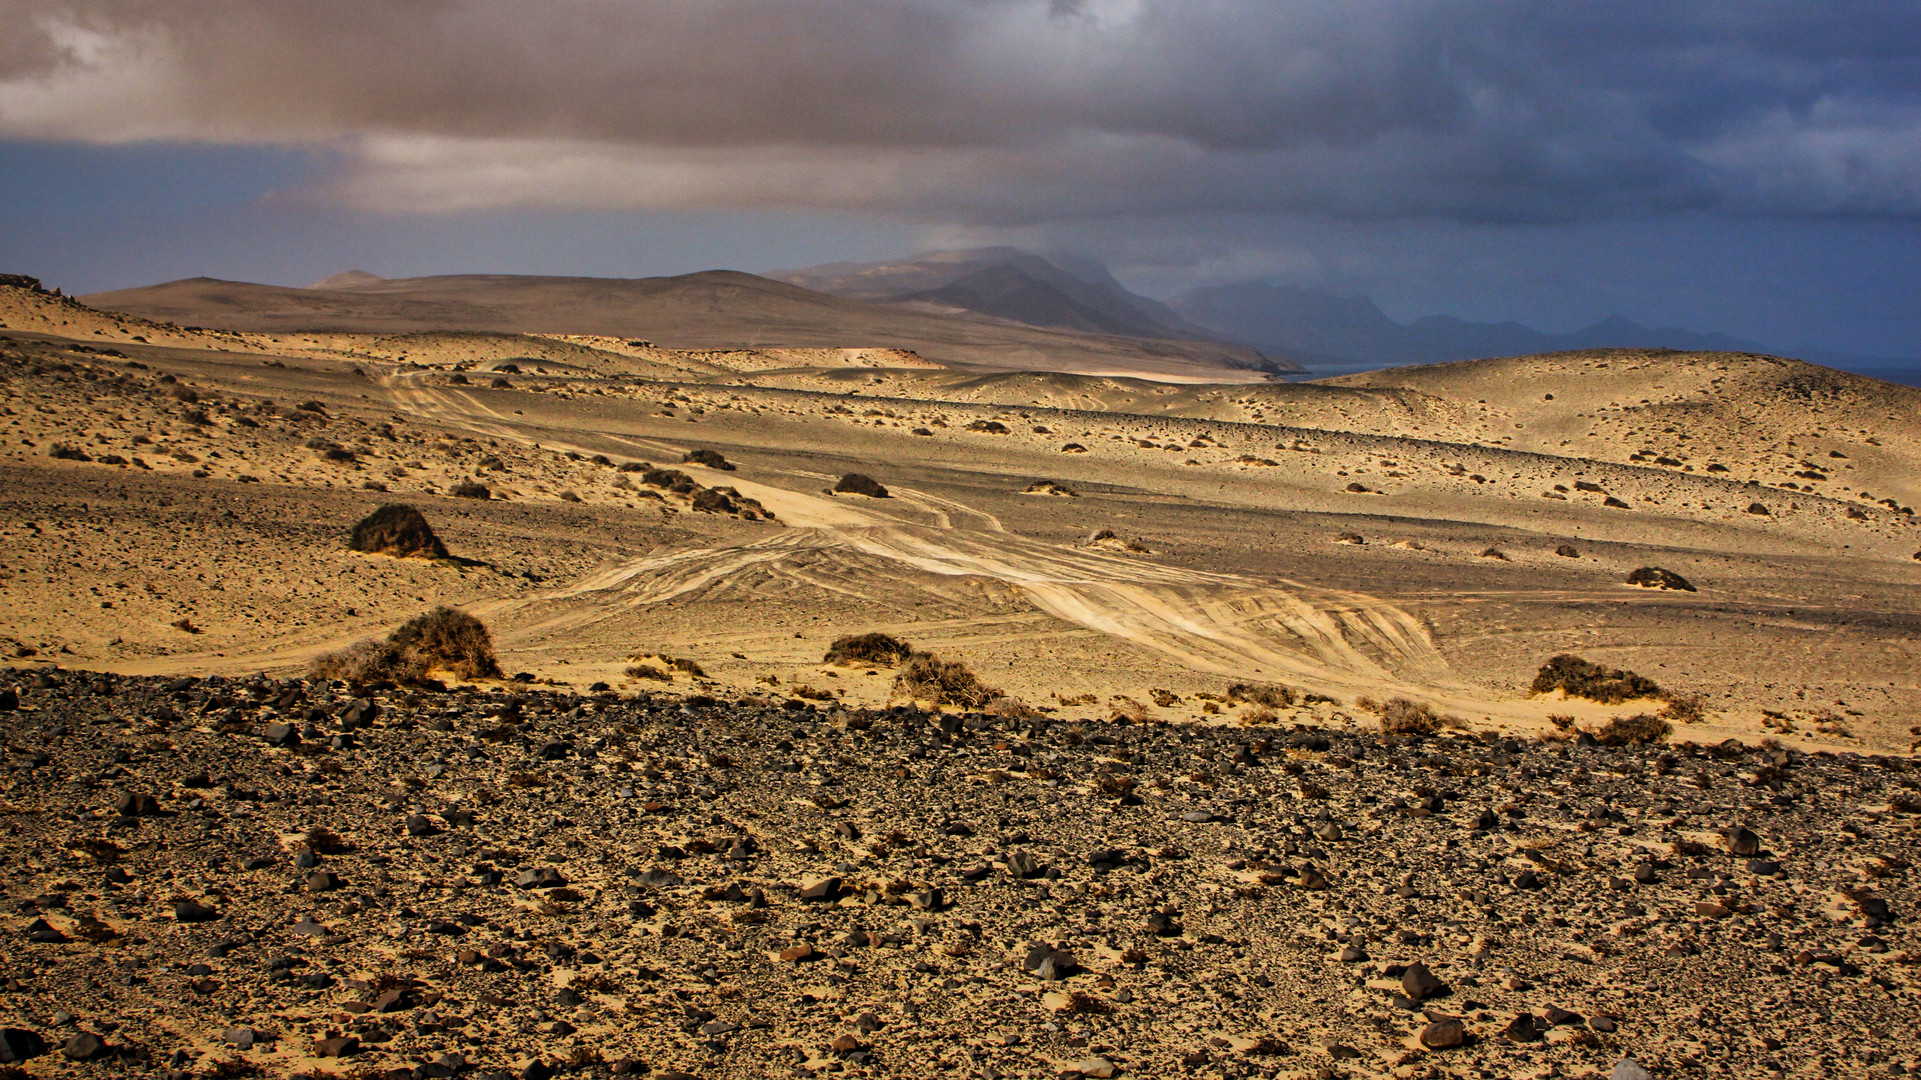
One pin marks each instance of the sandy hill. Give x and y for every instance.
(710, 310)
(1780, 423)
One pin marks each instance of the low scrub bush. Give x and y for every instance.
(1633, 730)
(927, 677)
(399, 530)
(442, 639)
(1576, 677)
(874, 648)
(860, 484)
(1268, 694)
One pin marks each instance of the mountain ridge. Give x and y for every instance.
(1313, 326)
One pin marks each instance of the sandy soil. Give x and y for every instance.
(1395, 535)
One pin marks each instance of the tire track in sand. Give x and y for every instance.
(1328, 641)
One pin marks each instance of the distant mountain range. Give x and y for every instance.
(714, 309)
(1294, 328)
(1317, 328)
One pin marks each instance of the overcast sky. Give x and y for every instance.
(1751, 167)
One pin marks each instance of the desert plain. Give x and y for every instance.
(1253, 775)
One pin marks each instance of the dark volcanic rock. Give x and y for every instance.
(20, 1044)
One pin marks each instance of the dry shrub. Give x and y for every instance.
(1685, 708)
(1654, 577)
(710, 458)
(1633, 730)
(875, 648)
(682, 664)
(927, 677)
(1259, 715)
(1126, 710)
(1166, 699)
(1270, 695)
(860, 484)
(1403, 716)
(1078, 699)
(399, 530)
(443, 638)
(470, 489)
(1012, 708)
(809, 692)
(526, 780)
(648, 671)
(1576, 677)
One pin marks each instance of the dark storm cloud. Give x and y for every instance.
(1014, 110)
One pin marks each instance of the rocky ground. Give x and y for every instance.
(227, 878)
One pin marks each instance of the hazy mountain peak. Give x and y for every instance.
(1007, 283)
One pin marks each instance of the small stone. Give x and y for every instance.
(537, 1070)
(1097, 1068)
(1352, 954)
(545, 877)
(1645, 874)
(136, 804)
(1418, 983)
(419, 825)
(309, 928)
(281, 735)
(1022, 864)
(1161, 924)
(1523, 1028)
(1197, 817)
(1709, 909)
(1602, 1023)
(794, 954)
(844, 1044)
(321, 881)
(1444, 1033)
(820, 889)
(187, 911)
(20, 1044)
(929, 900)
(1327, 832)
(240, 1038)
(83, 1047)
(1629, 1069)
